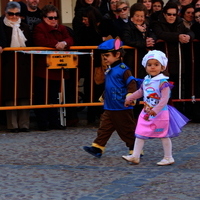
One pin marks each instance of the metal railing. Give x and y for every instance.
(62, 103)
(90, 49)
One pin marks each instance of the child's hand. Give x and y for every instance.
(152, 113)
(146, 117)
(101, 99)
(127, 103)
(150, 42)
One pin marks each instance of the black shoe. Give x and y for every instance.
(15, 130)
(24, 130)
(93, 151)
(57, 127)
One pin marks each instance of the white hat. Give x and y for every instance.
(155, 54)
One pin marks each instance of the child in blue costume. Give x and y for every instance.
(118, 83)
(157, 119)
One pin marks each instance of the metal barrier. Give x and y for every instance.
(193, 63)
(61, 104)
(76, 103)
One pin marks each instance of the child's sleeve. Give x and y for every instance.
(165, 93)
(130, 82)
(136, 95)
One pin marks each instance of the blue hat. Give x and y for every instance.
(110, 45)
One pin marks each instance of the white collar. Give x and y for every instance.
(158, 77)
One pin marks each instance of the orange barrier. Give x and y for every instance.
(46, 105)
(76, 103)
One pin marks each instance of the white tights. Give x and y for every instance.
(139, 144)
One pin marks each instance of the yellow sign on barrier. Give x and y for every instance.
(57, 61)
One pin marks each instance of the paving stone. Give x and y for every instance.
(53, 166)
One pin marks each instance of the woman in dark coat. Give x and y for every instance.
(171, 29)
(90, 34)
(15, 34)
(80, 6)
(137, 34)
(49, 33)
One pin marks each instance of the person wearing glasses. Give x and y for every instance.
(123, 10)
(112, 14)
(49, 33)
(15, 33)
(170, 28)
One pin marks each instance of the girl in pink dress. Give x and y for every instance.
(157, 119)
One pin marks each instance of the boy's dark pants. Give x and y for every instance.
(122, 121)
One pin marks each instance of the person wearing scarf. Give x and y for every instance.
(136, 33)
(15, 33)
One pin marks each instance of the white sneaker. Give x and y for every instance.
(131, 159)
(166, 161)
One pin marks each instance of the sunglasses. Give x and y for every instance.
(51, 18)
(171, 14)
(120, 9)
(12, 13)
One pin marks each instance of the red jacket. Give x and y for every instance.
(47, 36)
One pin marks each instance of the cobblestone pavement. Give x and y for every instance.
(52, 166)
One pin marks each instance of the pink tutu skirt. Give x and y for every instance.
(176, 122)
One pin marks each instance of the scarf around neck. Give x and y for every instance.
(17, 39)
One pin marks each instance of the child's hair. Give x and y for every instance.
(122, 52)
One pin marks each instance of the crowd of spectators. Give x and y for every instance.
(141, 25)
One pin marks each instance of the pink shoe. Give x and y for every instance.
(166, 161)
(132, 159)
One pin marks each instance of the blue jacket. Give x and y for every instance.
(116, 88)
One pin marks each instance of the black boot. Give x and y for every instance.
(93, 151)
